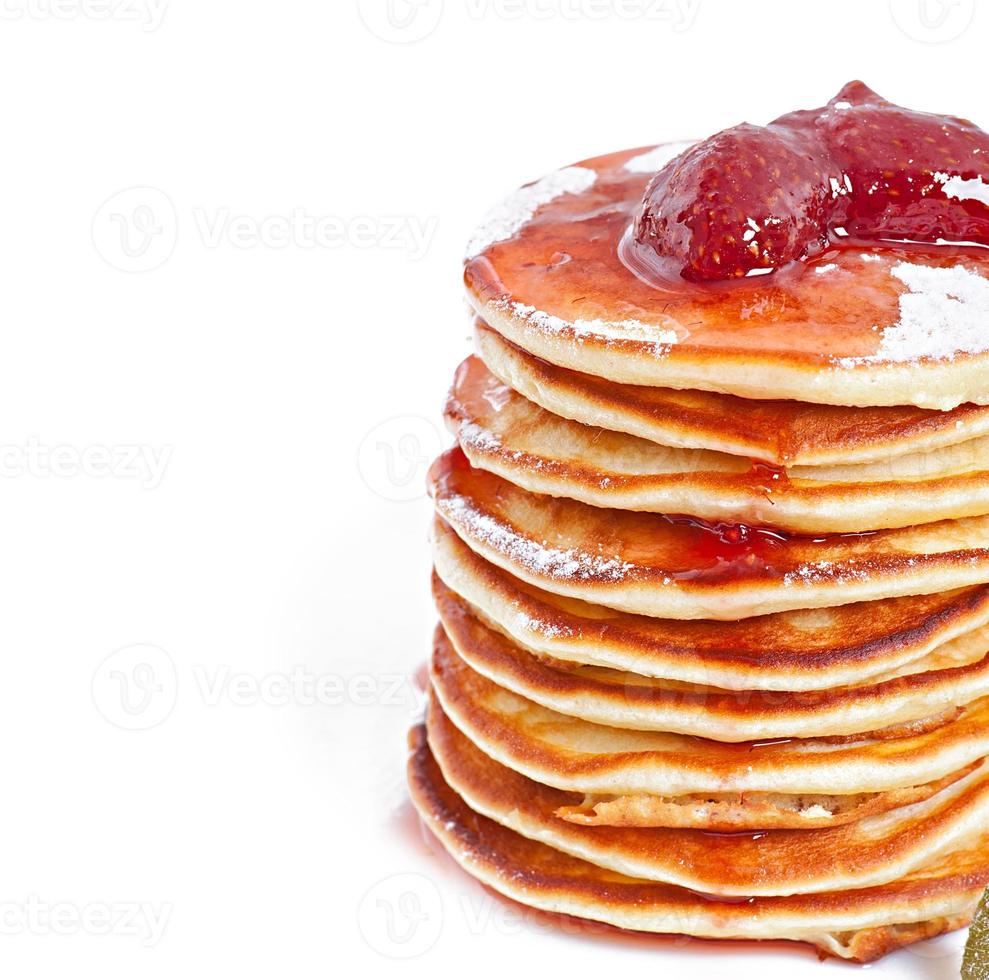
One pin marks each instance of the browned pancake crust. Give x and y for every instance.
(784, 432)
(777, 862)
(502, 431)
(616, 697)
(684, 764)
(920, 906)
(784, 651)
(727, 813)
(649, 564)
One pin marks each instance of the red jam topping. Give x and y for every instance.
(860, 170)
(725, 550)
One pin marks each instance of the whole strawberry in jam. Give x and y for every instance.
(753, 198)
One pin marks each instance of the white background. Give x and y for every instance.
(254, 548)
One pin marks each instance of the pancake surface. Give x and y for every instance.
(804, 650)
(785, 433)
(501, 431)
(711, 561)
(954, 676)
(838, 331)
(655, 566)
(581, 756)
(861, 925)
(875, 850)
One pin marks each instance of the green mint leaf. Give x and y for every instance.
(975, 962)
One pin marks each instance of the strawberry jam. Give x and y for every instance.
(859, 170)
(726, 551)
(680, 547)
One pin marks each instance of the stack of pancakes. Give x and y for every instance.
(712, 572)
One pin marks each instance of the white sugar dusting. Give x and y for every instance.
(944, 312)
(523, 623)
(661, 338)
(962, 189)
(655, 159)
(538, 558)
(477, 437)
(823, 571)
(505, 219)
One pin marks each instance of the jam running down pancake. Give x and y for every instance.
(711, 551)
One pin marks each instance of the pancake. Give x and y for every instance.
(784, 433)
(791, 651)
(955, 676)
(872, 851)
(501, 431)
(863, 924)
(655, 566)
(725, 813)
(574, 755)
(890, 326)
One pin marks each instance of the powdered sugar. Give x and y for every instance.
(824, 571)
(506, 218)
(523, 623)
(477, 437)
(538, 558)
(944, 312)
(655, 159)
(659, 337)
(962, 189)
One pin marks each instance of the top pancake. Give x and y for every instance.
(860, 328)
